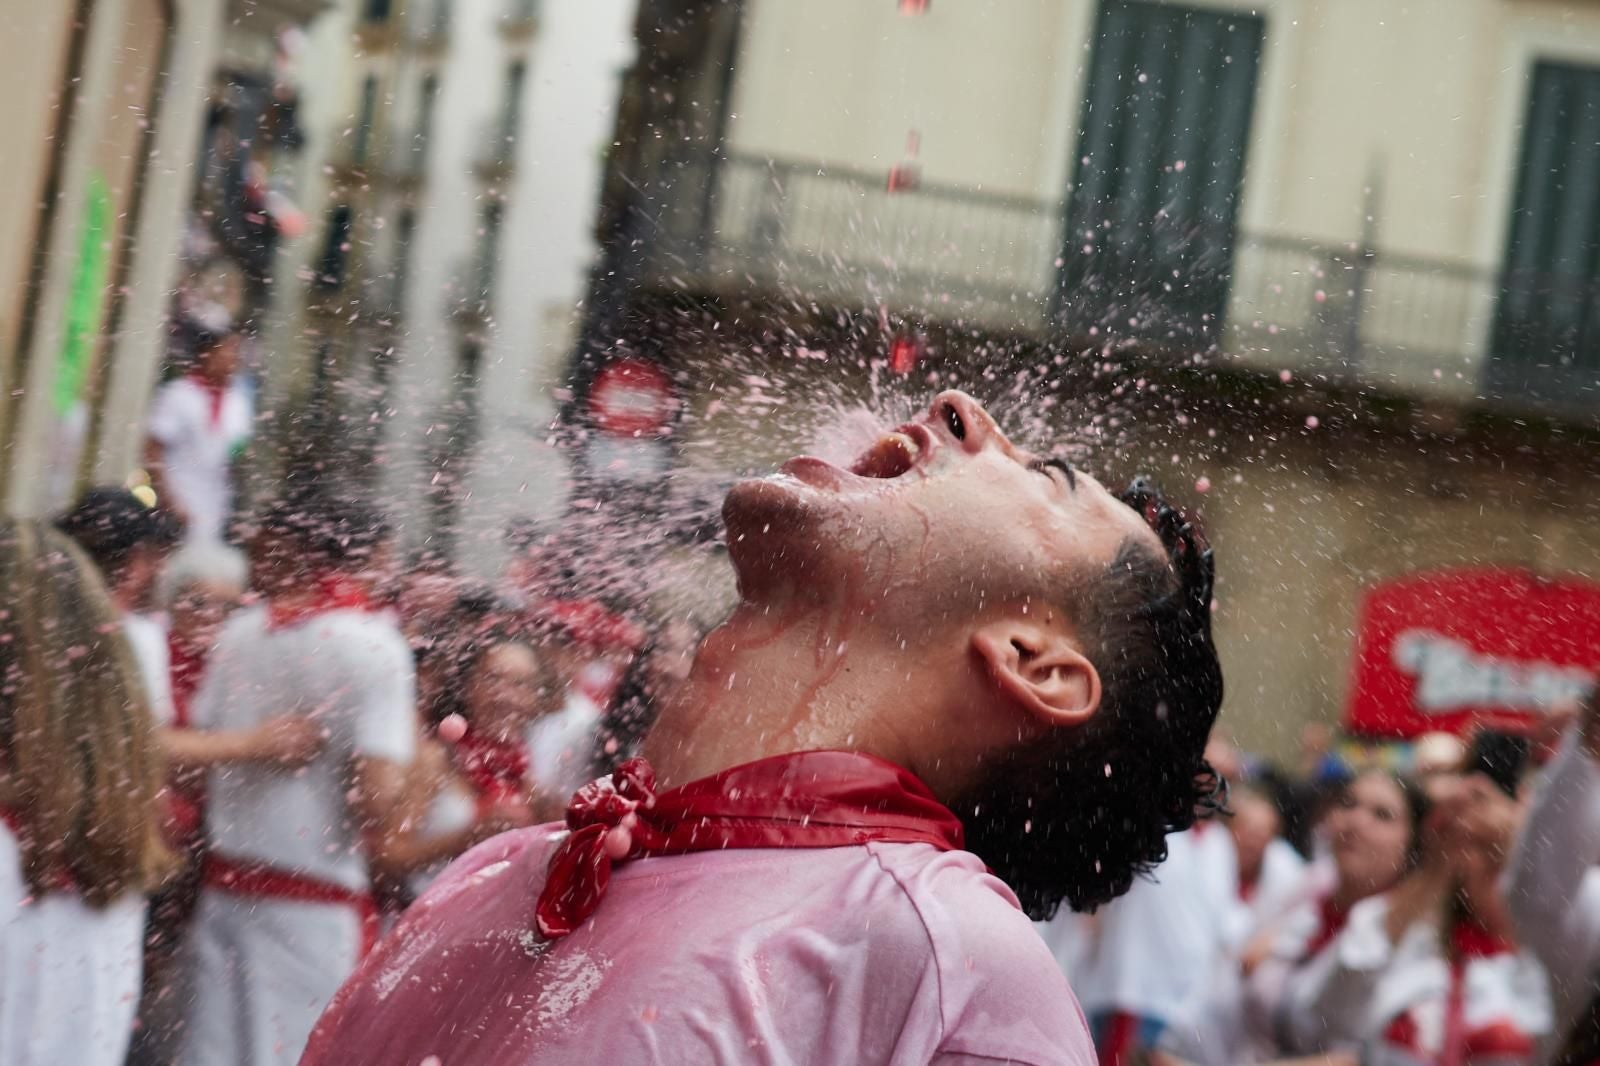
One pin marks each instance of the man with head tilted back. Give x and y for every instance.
(963, 685)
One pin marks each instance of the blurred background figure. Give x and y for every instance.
(199, 421)
(79, 843)
(128, 541)
(1373, 832)
(476, 780)
(1552, 888)
(286, 908)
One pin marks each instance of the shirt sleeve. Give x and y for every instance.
(166, 422)
(381, 697)
(1550, 885)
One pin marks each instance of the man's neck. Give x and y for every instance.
(765, 684)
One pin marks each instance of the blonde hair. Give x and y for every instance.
(80, 764)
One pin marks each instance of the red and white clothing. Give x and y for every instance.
(69, 972)
(1454, 997)
(285, 911)
(147, 638)
(1156, 951)
(561, 744)
(1552, 888)
(200, 428)
(884, 951)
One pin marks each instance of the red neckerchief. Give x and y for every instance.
(215, 393)
(811, 799)
(1330, 922)
(1468, 941)
(186, 664)
(332, 592)
(495, 769)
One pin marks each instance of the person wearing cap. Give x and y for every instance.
(128, 541)
(1552, 886)
(197, 425)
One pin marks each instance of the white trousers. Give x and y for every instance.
(263, 972)
(69, 973)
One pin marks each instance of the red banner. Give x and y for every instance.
(1450, 649)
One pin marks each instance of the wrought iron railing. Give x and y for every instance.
(1342, 311)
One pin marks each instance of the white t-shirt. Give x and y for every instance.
(351, 670)
(69, 972)
(1157, 946)
(561, 746)
(198, 444)
(148, 639)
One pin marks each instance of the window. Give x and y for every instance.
(376, 10)
(425, 108)
(369, 108)
(1161, 154)
(488, 250)
(510, 117)
(335, 249)
(405, 235)
(1547, 328)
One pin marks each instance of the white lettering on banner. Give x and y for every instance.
(1452, 677)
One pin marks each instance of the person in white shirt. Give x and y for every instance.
(286, 909)
(78, 779)
(1552, 888)
(129, 542)
(1429, 972)
(197, 425)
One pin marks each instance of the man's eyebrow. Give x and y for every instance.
(1061, 465)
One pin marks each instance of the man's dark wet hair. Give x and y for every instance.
(111, 523)
(1079, 816)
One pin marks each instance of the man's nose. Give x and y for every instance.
(967, 421)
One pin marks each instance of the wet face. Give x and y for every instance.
(1370, 832)
(943, 513)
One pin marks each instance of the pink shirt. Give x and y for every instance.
(875, 953)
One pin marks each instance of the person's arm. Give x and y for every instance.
(289, 740)
(1550, 892)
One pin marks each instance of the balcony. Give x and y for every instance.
(428, 32)
(519, 20)
(1349, 316)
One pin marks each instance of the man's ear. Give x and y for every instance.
(1041, 669)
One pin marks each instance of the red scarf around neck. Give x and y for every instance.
(811, 799)
(214, 393)
(329, 592)
(495, 770)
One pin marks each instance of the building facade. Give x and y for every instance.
(454, 157)
(1329, 269)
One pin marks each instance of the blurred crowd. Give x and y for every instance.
(230, 754)
(1357, 914)
(215, 816)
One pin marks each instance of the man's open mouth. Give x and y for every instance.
(889, 456)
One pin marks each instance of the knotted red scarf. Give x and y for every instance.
(812, 799)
